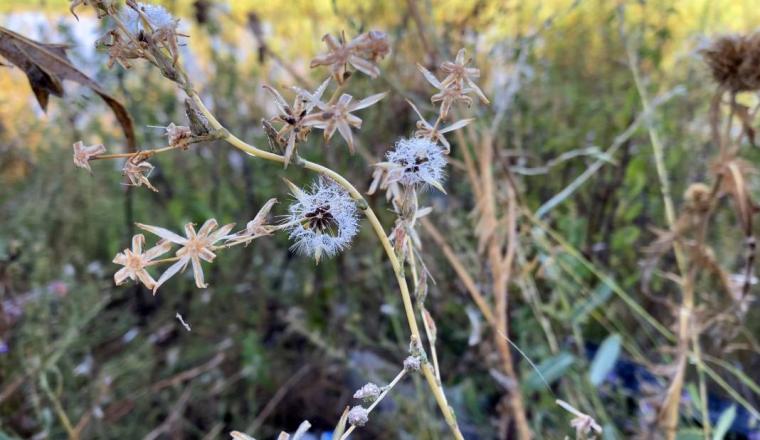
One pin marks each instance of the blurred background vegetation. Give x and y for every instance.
(275, 339)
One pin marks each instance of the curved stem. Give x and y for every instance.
(377, 227)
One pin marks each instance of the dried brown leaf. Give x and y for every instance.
(47, 66)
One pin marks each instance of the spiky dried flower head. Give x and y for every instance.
(358, 416)
(135, 261)
(294, 129)
(323, 220)
(415, 162)
(734, 61)
(457, 84)
(137, 171)
(362, 53)
(339, 116)
(195, 246)
(369, 392)
(83, 154)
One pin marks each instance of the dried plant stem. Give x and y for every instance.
(377, 227)
(377, 401)
(461, 271)
(668, 418)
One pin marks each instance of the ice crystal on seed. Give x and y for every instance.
(322, 221)
(417, 161)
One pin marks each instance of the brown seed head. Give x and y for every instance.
(735, 62)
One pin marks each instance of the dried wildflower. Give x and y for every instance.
(361, 53)
(432, 132)
(358, 416)
(369, 392)
(294, 130)
(381, 180)
(447, 95)
(459, 75)
(135, 260)
(83, 154)
(338, 116)
(415, 162)
(178, 135)
(322, 221)
(195, 247)
(137, 171)
(582, 423)
(121, 49)
(412, 363)
(734, 61)
(372, 45)
(255, 228)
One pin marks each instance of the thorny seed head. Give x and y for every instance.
(369, 392)
(358, 416)
(416, 162)
(322, 221)
(734, 61)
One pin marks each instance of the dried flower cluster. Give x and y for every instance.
(323, 219)
(194, 247)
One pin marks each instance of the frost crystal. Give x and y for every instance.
(323, 221)
(417, 161)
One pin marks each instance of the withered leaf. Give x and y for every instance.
(47, 66)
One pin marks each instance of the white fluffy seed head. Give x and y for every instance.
(157, 15)
(323, 220)
(418, 161)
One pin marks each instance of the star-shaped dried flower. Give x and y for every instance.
(459, 75)
(137, 171)
(360, 53)
(179, 135)
(293, 116)
(135, 261)
(83, 154)
(338, 116)
(448, 94)
(195, 247)
(432, 132)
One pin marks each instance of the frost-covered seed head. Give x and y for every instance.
(412, 363)
(358, 416)
(157, 15)
(322, 221)
(369, 392)
(419, 161)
